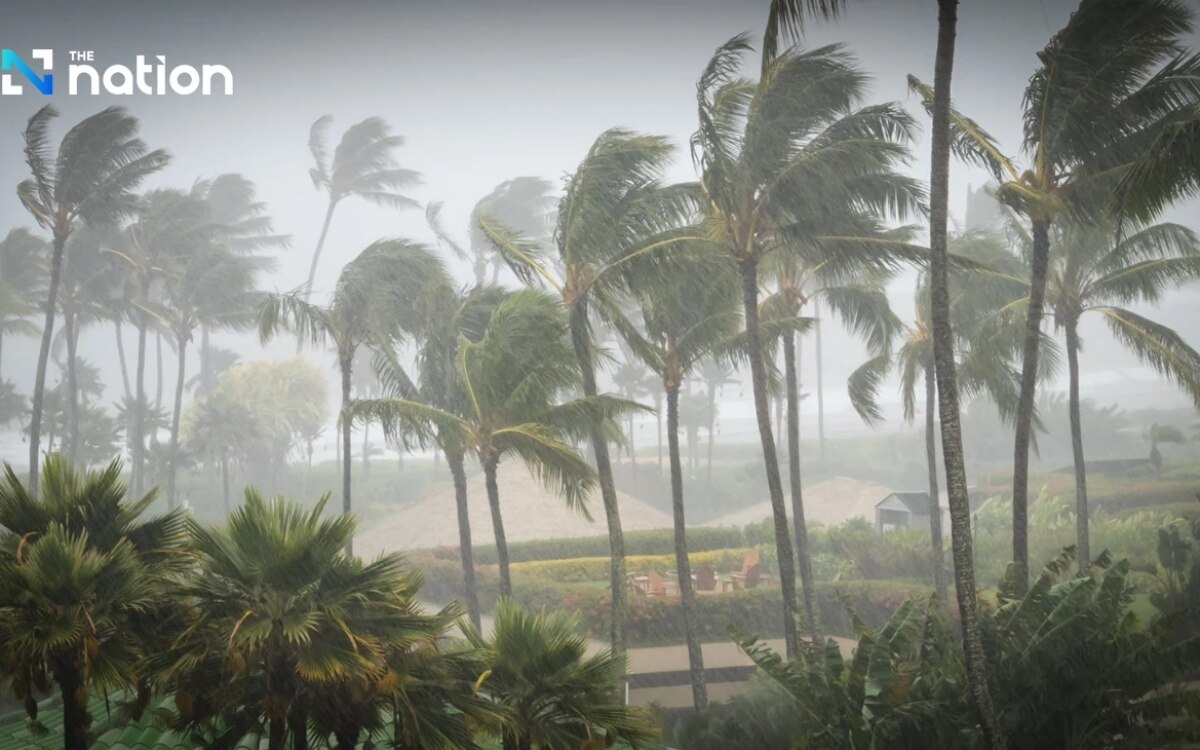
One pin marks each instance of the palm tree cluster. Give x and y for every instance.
(263, 627)
(800, 205)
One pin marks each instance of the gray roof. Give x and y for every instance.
(914, 502)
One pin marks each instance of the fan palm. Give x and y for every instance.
(381, 295)
(789, 162)
(85, 583)
(556, 697)
(614, 213)
(282, 616)
(100, 162)
(1114, 91)
(21, 269)
(687, 318)
(362, 166)
(512, 378)
(1096, 271)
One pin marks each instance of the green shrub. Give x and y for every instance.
(641, 542)
(582, 569)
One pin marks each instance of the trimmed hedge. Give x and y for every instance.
(641, 542)
(582, 569)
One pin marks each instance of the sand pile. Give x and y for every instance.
(530, 511)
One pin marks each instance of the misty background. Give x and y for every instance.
(484, 92)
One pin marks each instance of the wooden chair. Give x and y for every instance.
(656, 586)
(750, 573)
(706, 579)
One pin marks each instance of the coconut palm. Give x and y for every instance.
(556, 696)
(685, 319)
(1096, 271)
(715, 374)
(513, 377)
(90, 181)
(21, 268)
(84, 582)
(278, 597)
(523, 204)
(381, 295)
(362, 166)
(1114, 88)
(1159, 434)
(789, 162)
(614, 213)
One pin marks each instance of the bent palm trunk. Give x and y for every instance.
(467, 553)
(1082, 537)
(947, 385)
(1024, 429)
(687, 596)
(346, 364)
(608, 491)
(139, 415)
(177, 410)
(71, 329)
(39, 382)
(493, 492)
(762, 411)
(799, 526)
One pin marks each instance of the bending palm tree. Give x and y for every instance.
(21, 272)
(614, 212)
(1105, 116)
(1096, 271)
(787, 162)
(512, 378)
(363, 166)
(687, 317)
(91, 180)
(380, 295)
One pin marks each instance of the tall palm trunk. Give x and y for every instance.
(205, 384)
(138, 442)
(1025, 405)
(172, 473)
(799, 527)
(346, 364)
(225, 480)
(1082, 538)
(71, 330)
(820, 384)
(938, 559)
(312, 267)
(39, 382)
(581, 338)
(490, 464)
(121, 360)
(687, 595)
(658, 418)
(158, 374)
(947, 385)
(758, 377)
(466, 551)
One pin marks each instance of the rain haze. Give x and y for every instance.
(485, 93)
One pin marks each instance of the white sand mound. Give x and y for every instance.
(828, 503)
(530, 511)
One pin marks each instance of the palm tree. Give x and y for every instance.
(278, 596)
(523, 204)
(100, 162)
(689, 316)
(171, 229)
(556, 696)
(614, 212)
(363, 166)
(715, 374)
(1098, 271)
(859, 298)
(380, 295)
(1159, 434)
(1114, 88)
(787, 162)
(512, 378)
(85, 581)
(21, 269)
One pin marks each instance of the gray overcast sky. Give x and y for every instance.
(485, 91)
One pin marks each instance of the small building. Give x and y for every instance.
(902, 509)
(911, 509)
